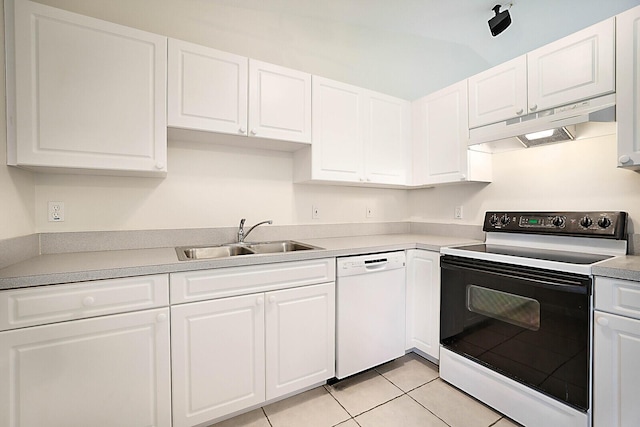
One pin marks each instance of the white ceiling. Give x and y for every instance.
(535, 22)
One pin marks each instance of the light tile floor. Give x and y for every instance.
(406, 392)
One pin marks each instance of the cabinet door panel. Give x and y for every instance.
(499, 93)
(616, 374)
(441, 135)
(207, 89)
(89, 94)
(300, 338)
(576, 67)
(279, 102)
(109, 371)
(337, 150)
(423, 302)
(217, 351)
(628, 87)
(386, 139)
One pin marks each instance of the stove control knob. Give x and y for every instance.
(505, 219)
(585, 221)
(558, 221)
(604, 222)
(493, 219)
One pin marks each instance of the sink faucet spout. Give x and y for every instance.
(241, 233)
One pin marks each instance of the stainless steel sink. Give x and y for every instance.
(187, 253)
(276, 247)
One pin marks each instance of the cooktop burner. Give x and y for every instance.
(543, 254)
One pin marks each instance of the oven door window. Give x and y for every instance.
(514, 309)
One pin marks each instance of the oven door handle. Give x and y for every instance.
(550, 280)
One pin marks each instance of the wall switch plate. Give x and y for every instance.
(457, 212)
(369, 212)
(55, 211)
(315, 212)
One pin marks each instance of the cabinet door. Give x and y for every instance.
(423, 302)
(207, 89)
(217, 352)
(337, 149)
(108, 371)
(499, 93)
(616, 376)
(279, 102)
(386, 123)
(300, 338)
(441, 132)
(628, 87)
(576, 67)
(84, 93)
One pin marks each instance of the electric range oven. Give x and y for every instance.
(515, 322)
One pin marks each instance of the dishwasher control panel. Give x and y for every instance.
(364, 264)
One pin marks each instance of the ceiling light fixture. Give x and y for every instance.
(500, 21)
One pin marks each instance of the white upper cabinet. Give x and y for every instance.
(337, 149)
(207, 89)
(440, 136)
(576, 67)
(359, 137)
(83, 94)
(216, 91)
(279, 102)
(628, 87)
(499, 93)
(387, 124)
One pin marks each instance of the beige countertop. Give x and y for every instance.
(82, 266)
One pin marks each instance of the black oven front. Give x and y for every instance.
(529, 324)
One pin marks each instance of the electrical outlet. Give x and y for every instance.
(315, 212)
(457, 213)
(369, 212)
(56, 211)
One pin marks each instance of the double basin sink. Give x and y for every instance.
(187, 253)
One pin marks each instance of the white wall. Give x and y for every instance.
(208, 186)
(576, 175)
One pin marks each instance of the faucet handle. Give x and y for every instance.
(242, 222)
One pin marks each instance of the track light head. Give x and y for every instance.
(500, 21)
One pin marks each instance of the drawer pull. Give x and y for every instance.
(88, 301)
(161, 318)
(603, 321)
(259, 301)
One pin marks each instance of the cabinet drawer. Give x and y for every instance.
(223, 282)
(618, 296)
(50, 304)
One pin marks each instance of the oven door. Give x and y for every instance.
(529, 324)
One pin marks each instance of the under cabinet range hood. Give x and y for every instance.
(545, 127)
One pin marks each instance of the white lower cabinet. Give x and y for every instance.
(217, 351)
(423, 302)
(232, 353)
(616, 352)
(106, 371)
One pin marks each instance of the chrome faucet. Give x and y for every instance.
(242, 234)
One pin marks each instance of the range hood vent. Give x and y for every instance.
(544, 127)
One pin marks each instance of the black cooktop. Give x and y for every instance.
(544, 254)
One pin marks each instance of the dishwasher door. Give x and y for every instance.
(370, 311)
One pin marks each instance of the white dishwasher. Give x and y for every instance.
(370, 311)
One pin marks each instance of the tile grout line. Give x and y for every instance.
(266, 416)
(406, 393)
(351, 417)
